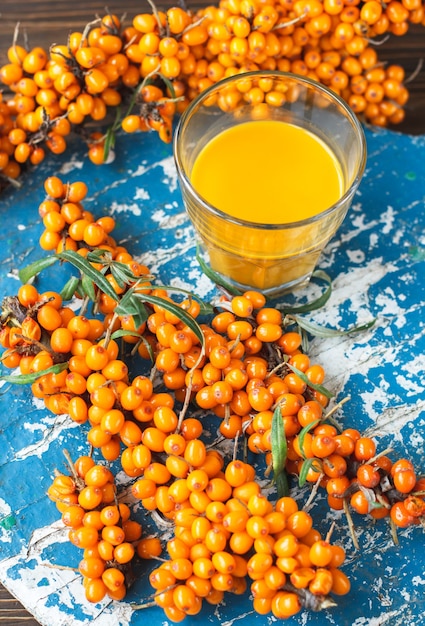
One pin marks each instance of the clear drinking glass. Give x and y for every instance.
(272, 258)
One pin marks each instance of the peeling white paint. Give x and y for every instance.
(116, 208)
(170, 173)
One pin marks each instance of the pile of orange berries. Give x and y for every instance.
(232, 532)
(348, 466)
(156, 66)
(99, 525)
(245, 367)
(67, 225)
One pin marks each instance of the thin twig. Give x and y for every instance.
(350, 523)
(313, 492)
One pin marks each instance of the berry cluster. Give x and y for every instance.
(99, 525)
(230, 532)
(67, 225)
(155, 67)
(243, 365)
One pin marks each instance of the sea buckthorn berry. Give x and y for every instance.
(360, 503)
(400, 516)
(415, 505)
(268, 332)
(257, 527)
(285, 604)
(321, 553)
(236, 473)
(364, 449)
(368, 476)
(403, 475)
(322, 446)
(299, 523)
(96, 357)
(322, 582)
(241, 306)
(48, 317)
(286, 546)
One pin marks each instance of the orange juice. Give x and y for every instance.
(263, 188)
(269, 172)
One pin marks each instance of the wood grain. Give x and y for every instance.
(12, 613)
(44, 23)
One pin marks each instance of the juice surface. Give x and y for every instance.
(268, 172)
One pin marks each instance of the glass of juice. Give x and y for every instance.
(268, 164)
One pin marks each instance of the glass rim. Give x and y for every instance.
(297, 79)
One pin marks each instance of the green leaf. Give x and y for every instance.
(282, 486)
(87, 288)
(130, 304)
(135, 95)
(218, 280)
(122, 332)
(279, 451)
(70, 287)
(28, 379)
(88, 270)
(132, 333)
(305, 468)
(122, 274)
(319, 388)
(28, 272)
(173, 308)
(318, 302)
(148, 348)
(206, 307)
(302, 434)
(109, 142)
(99, 255)
(169, 85)
(322, 331)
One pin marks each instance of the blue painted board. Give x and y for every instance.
(377, 265)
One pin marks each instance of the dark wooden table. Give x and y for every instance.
(49, 22)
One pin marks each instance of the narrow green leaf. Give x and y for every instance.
(169, 85)
(132, 333)
(302, 434)
(122, 274)
(307, 464)
(318, 302)
(69, 289)
(322, 331)
(172, 307)
(278, 441)
(87, 269)
(282, 486)
(135, 95)
(31, 270)
(279, 451)
(109, 143)
(98, 255)
(122, 332)
(87, 288)
(148, 348)
(131, 304)
(206, 307)
(28, 379)
(218, 280)
(319, 388)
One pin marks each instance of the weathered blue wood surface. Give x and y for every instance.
(377, 265)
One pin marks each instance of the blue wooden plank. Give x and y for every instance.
(376, 262)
